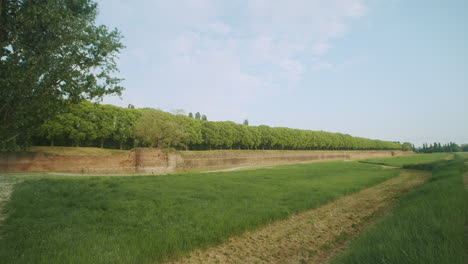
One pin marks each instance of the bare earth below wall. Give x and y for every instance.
(155, 161)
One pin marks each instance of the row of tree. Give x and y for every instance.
(437, 147)
(89, 124)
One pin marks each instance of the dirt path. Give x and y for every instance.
(315, 235)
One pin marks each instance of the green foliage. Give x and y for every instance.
(464, 147)
(51, 53)
(426, 227)
(437, 147)
(407, 146)
(147, 219)
(158, 128)
(82, 123)
(93, 125)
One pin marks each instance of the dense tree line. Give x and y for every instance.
(89, 124)
(437, 147)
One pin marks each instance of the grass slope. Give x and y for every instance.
(426, 227)
(148, 219)
(401, 161)
(79, 151)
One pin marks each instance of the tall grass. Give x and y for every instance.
(149, 219)
(426, 227)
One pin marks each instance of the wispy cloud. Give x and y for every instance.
(214, 56)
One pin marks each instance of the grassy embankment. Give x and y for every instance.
(79, 151)
(148, 219)
(401, 161)
(427, 226)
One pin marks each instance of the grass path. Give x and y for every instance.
(465, 176)
(314, 235)
(6, 188)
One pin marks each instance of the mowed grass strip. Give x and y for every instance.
(426, 227)
(150, 219)
(401, 161)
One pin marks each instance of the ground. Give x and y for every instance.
(311, 236)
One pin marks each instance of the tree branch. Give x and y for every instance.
(10, 138)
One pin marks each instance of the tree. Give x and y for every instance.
(246, 122)
(406, 146)
(190, 115)
(104, 120)
(204, 118)
(51, 53)
(80, 123)
(52, 129)
(192, 129)
(124, 125)
(156, 127)
(197, 115)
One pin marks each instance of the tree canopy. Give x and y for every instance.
(90, 124)
(52, 53)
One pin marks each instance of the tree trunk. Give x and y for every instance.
(121, 145)
(186, 147)
(52, 142)
(102, 142)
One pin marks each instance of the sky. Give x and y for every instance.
(382, 69)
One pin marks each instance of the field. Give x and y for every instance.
(401, 161)
(153, 219)
(427, 226)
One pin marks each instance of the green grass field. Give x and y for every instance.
(147, 219)
(426, 227)
(401, 161)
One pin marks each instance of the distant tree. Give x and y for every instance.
(130, 106)
(124, 123)
(204, 118)
(191, 128)
(464, 147)
(52, 129)
(157, 128)
(246, 122)
(406, 146)
(190, 115)
(104, 120)
(197, 115)
(78, 124)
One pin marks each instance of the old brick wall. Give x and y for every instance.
(222, 159)
(154, 161)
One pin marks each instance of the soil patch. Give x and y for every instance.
(315, 235)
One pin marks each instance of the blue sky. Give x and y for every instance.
(383, 69)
